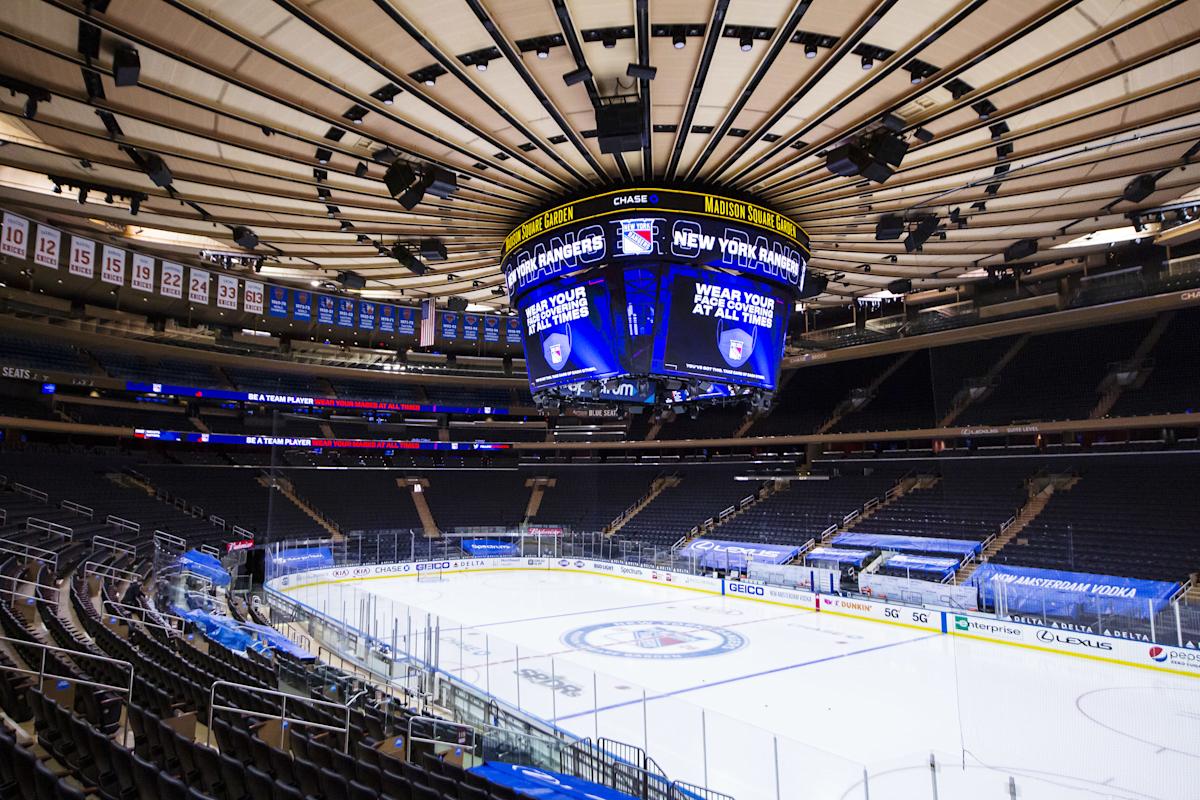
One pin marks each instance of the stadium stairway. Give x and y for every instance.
(657, 487)
(288, 490)
(537, 490)
(1112, 388)
(1040, 494)
(428, 523)
(903, 486)
(966, 396)
(848, 406)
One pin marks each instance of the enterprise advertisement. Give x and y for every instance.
(568, 334)
(720, 327)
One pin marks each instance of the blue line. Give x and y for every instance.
(749, 676)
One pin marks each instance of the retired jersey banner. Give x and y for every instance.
(14, 239)
(83, 257)
(171, 281)
(142, 275)
(512, 330)
(277, 298)
(406, 321)
(387, 319)
(324, 309)
(112, 265)
(227, 292)
(491, 329)
(366, 315)
(49, 245)
(198, 286)
(252, 297)
(302, 305)
(345, 312)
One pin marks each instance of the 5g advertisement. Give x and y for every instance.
(660, 319)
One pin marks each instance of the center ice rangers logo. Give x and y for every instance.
(735, 349)
(656, 639)
(556, 354)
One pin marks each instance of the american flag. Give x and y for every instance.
(428, 321)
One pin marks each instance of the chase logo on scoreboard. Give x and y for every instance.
(654, 639)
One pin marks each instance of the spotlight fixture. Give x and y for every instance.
(867, 63)
(543, 52)
(1139, 188)
(320, 174)
(920, 234)
(244, 237)
(126, 66)
(890, 227)
(810, 50)
(984, 108)
(323, 155)
(679, 41)
(577, 76)
(355, 114)
(643, 72)
(433, 250)
(609, 41)
(408, 260)
(386, 94)
(351, 280)
(746, 42)
(360, 169)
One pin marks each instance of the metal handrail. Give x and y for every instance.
(161, 536)
(244, 532)
(109, 571)
(210, 550)
(454, 726)
(15, 593)
(46, 526)
(282, 715)
(29, 491)
(81, 510)
(124, 524)
(25, 550)
(49, 648)
(113, 603)
(99, 541)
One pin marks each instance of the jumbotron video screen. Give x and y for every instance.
(655, 296)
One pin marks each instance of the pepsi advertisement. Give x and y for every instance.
(568, 334)
(720, 327)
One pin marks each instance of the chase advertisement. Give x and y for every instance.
(720, 327)
(568, 334)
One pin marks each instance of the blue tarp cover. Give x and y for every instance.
(204, 565)
(543, 784)
(908, 544)
(721, 554)
(838, 555)
(1050, 591)
(940, 566)
(277, 641)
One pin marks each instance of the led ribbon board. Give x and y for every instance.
(657, 224)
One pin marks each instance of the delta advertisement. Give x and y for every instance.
(720, 327)
(568, 334)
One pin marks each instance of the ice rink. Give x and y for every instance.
(794, 703)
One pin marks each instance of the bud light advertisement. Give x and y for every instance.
(720, 327)
(568, 334)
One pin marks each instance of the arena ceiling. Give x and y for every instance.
(1033, 116)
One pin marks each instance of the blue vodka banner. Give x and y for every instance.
(722, 554)
(908, 544)
(482, 548)
(1050, 591)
